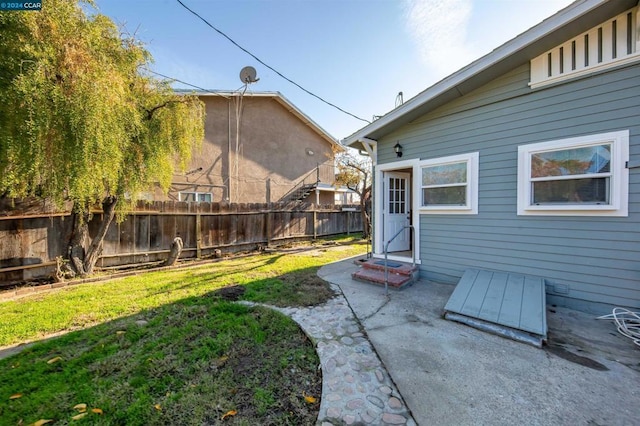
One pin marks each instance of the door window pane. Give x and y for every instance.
(397, 195)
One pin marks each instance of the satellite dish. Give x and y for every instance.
(248, 75)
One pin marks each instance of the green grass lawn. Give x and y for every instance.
(167, 348)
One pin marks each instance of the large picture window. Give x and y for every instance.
(450, 184)
(578, 176)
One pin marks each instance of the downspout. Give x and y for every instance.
(228, 183)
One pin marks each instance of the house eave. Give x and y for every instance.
(567, 23)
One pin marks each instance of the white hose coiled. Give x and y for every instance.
(628, 323)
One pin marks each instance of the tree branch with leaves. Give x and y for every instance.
(80, 121)
(355, 172)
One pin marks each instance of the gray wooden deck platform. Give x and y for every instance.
(508, 304)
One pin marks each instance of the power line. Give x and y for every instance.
(268, 66)
(213, 92)
(184, 82)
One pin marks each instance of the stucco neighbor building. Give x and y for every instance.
(526, 161)
(258, 148)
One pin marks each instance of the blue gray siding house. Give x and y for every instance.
(525, 161)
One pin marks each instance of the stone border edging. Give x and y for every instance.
(356, 387)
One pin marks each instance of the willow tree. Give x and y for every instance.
(81, 121)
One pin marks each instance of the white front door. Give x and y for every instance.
(396, 210)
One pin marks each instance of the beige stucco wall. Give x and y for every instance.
(272, 155)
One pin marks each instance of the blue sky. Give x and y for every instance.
(357, 54)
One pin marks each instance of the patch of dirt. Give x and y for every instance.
(288, 391)
(34, 282)
(309, 287)
(231, 293)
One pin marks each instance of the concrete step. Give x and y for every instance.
(393, 266)
(377, 276)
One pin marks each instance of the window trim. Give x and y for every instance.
(618, 183)
(471, 207)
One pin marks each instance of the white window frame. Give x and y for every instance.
(471, 206)
(618, 182)
(196, 195)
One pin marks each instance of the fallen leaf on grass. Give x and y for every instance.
(79, 416)
(42, 422)
(309, 399)
(97, 411)
(54, 360)
(80, 407)
(157, 407)
(229, 414)
(16, 396)
(119, 332)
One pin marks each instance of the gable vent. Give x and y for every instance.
(610, 44)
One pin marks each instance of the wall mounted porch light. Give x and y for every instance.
(398, 149)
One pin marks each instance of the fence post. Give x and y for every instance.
(348, 220)
(268, 190)
(267, 225)
(315, 222)
(198, 237)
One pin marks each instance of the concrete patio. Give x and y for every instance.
(449, 373)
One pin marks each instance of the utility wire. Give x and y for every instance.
(268, 66)
(213, 92)
(184, 82)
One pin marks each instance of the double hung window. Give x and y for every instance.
(577, 176)
(450, 184)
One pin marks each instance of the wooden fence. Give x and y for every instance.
(32, 235)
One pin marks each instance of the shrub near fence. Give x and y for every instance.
(33, 234)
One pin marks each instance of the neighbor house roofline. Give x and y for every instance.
(278, 97)
(568, 22)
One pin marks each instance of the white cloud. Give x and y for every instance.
(439, 29)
